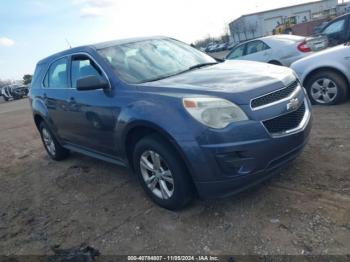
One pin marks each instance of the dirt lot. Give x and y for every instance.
(81, 200)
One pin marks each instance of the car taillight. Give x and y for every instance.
(303, 47)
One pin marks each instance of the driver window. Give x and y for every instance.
(83, 66)
(237, 52)
(335, 27)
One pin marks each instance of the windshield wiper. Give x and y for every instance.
(162, 77)
(202, 64)
(178, 73)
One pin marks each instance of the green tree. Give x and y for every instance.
(27, 79)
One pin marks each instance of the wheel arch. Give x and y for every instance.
(40, 112)
(326, 68)
(38, 119)
(138, 130)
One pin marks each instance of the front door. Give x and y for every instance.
(91, 113)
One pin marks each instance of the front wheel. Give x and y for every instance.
(162, 173)
(327, 88)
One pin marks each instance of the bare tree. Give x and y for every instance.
(225, 37)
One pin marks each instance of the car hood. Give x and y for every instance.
(237, 80)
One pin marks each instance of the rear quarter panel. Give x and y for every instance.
(282, 51)
(338, 59)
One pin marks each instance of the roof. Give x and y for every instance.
(97, 46)
(278, 9)
(270, 38)
(125, 41)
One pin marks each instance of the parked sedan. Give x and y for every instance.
(277, 49)
(326, 75)
(212, 48)
(182, 122)
(221, 47)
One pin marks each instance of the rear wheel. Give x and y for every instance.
(52, 146)
(162, 173)
(327, 88)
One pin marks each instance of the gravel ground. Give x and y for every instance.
(305, 210)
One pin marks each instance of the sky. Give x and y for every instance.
(33, 29)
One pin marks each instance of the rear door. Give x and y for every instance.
(91, 113)
(54, 94)
(257, 51)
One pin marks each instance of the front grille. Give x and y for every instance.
(285, 122)
(275, 96)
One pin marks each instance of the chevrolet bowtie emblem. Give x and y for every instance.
(293, 104)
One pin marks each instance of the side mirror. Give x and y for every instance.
(91, 83)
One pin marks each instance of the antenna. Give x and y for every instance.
(68, 43)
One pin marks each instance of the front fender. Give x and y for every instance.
(166, 115)
(330, 66)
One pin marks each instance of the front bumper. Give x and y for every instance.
(242, 157)
(238, 183)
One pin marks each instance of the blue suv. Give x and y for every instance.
(185, 123)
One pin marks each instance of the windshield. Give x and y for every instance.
(154, 59)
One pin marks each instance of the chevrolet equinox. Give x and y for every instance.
(183, 122)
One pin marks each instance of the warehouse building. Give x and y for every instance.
(264, 23)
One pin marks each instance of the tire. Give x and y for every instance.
(52, 146)
(5, 98)
(179, 189)
(333, 88)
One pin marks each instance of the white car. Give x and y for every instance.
(277, 49)
(326, 75)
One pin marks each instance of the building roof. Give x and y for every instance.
(278, 9)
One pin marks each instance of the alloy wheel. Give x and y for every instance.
(48, 141)
(157, 175)
(324, 90)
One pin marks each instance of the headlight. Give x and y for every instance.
(214, 112)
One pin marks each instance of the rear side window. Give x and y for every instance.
(57, 76)
(255, 47)
(335, 27)
(38, 73)
(83, 66)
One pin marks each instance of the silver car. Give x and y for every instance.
(277, 49)
(326, 75)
